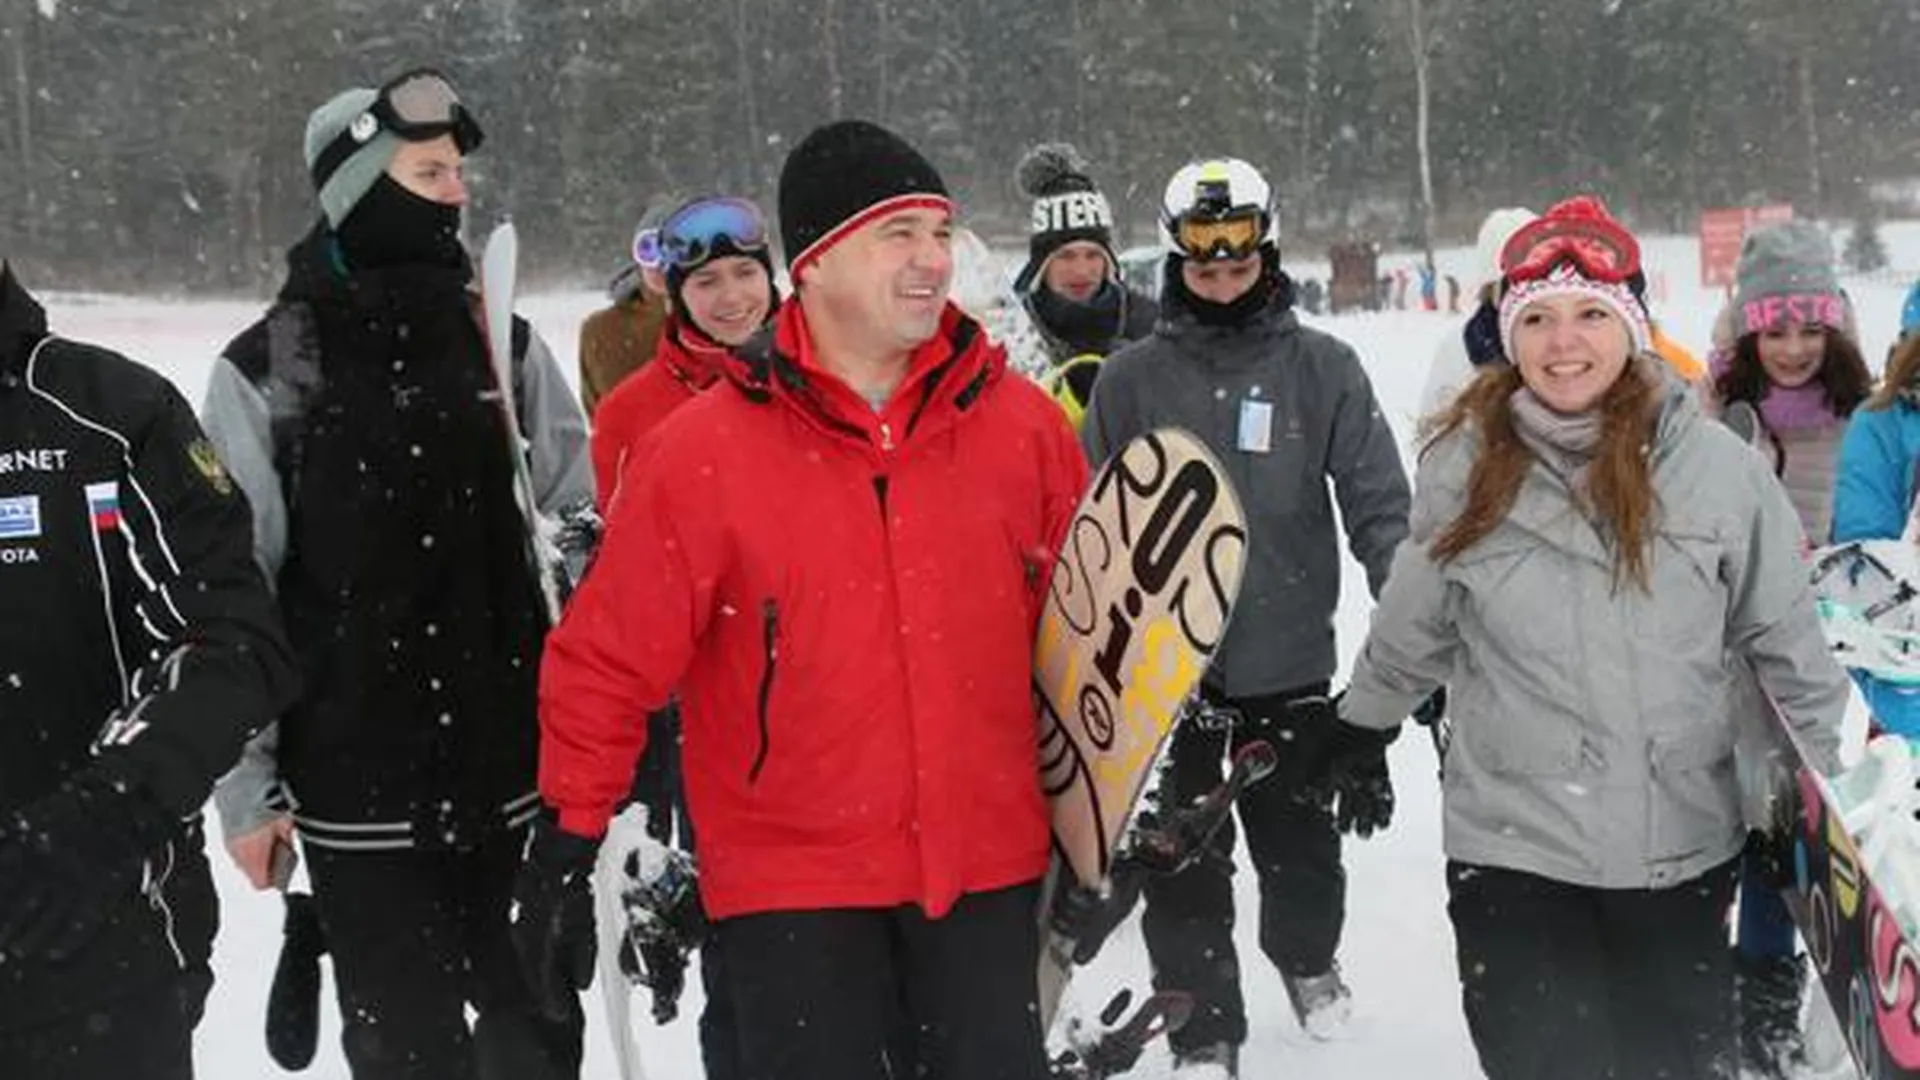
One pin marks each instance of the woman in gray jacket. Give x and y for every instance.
(1590, 558)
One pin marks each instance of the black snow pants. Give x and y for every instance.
(821, 993)
(1188, 921)
(418, 936)
(142, 1036)
(1564, 982)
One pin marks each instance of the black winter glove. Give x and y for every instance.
(1088, 916)
(69, 858)
(1362, 786)
(1432, 710)
(293, 1002)
(553, 931)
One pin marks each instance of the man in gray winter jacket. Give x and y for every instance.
(1286, 409)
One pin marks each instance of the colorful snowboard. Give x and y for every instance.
(1138, 601)
(1865, 961)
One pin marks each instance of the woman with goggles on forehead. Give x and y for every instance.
(362, 418)
(717, 274)
(1593, 568)
(1287, 409)
(720, 292)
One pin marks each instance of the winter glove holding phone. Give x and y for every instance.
(554, 929)
(68, 858)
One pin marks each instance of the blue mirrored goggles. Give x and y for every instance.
(707, 228)
(646, 249)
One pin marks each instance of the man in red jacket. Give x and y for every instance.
(837, 560)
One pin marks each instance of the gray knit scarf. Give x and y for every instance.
(1564, 443)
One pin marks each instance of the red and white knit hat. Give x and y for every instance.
(1566, 280)
(1576, 248)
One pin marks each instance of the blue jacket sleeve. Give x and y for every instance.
(1872, 494)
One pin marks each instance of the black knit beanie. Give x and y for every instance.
(844, 175)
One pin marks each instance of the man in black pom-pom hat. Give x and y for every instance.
(1073, 307)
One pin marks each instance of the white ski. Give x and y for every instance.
(497, 272)
(626, 834)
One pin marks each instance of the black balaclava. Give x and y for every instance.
(1270, 285)
(391, 226)
(1083, 327)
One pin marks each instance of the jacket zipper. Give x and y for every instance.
(157, 899)
(770, 612)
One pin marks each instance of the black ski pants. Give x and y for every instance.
(820, 993)
(1188, 921)
(1564, 982)
(418, 936)
(146, 1035)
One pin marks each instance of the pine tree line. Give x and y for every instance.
(157, 146)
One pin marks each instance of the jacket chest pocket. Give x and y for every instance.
(1525, 596)
(1686, 598)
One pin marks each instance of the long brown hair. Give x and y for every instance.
(1903, 365)
(1619, 481)
(1843, 374)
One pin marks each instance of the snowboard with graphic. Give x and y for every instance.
(1858, 927)
(1138, 601)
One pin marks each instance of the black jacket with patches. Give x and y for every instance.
(136, 633)
(362, 416)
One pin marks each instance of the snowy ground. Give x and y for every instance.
(1398, 952)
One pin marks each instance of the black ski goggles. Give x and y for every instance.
(417, 106)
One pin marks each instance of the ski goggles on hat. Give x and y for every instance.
(1599, 250)
(646, 249)
(705, 228)
(1207, 239)
(422, 105)
(417, 106)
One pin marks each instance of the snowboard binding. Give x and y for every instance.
(1111, 1052)
(664, 924)
(1866, 599)
(1161, 842)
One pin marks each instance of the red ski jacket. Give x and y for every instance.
(845, 602)
(684, 364)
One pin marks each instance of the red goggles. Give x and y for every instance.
(1600, 250)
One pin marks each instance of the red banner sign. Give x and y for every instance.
(1721, 232)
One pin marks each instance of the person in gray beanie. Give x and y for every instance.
(362, 418)
(619, 339)
(1789, 380)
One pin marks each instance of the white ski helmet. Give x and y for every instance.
(1219, 208)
